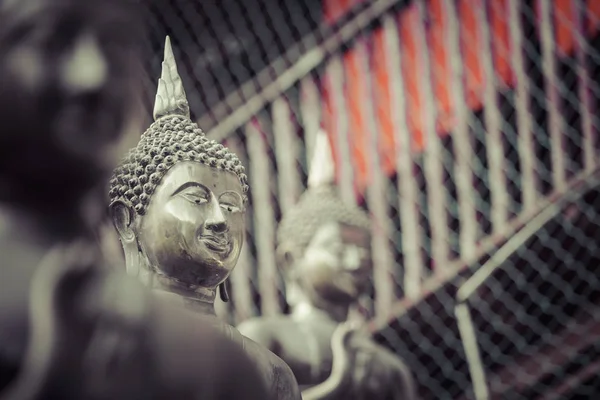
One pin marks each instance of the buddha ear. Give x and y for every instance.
(224, 291)
(122, 217)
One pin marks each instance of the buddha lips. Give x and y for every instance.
(218, 244)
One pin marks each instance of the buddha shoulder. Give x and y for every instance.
(282, 379)
(264, 330)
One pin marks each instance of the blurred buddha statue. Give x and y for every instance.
(178, 202)
(324, 252)
(71, 328)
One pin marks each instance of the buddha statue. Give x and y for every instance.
(178, 202)
(70, 327)
(324, 253)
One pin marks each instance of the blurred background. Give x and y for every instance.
(468, 130)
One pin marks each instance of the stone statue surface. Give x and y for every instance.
(324, 252)
(71, 328)
(178, 202)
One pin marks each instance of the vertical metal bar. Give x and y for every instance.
(529, 178)
(493, 121)
(556, 121)
(463, 146)
(384, 275)
(242, 275)
(407, 185)
(584, 86)
(434, 168)
(310, 110)
(260, 177)
(286, 154)
(469, 340)
(336, 77)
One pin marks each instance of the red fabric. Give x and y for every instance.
(382, 99)
(440, 68)
(412, 58)
(500, 36)
(411, 68)
(593, 14)
(334, 9)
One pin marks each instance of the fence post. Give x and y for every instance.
(530, 180)
(556, 121)
(407, 186)
(492, 118)
(434, 168)
(336, 80)
(384, 274)
(260, 177)
(463, 143)
(584, 86)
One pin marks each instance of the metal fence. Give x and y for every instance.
(456, 124)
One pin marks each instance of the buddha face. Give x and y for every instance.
(70, 87)
(337, 262)
(193, 228)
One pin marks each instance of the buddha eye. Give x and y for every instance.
(195, 197)
(230, 202)
(230, 207)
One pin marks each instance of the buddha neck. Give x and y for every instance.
(196, 298)
(310, 305)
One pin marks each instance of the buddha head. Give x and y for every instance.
(178, 199)
(70, 82)
(323, 244)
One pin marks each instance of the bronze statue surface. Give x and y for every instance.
(69, 327)
(187, 221)
(324, 251)
(178, 203)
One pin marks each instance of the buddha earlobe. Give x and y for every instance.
(223, 292)
(122, 219)
(285, 257)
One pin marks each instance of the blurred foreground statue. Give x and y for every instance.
(178, 203)
(324, 251)
(69, 327)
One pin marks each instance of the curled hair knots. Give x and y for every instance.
(167, 141)
(317, 206)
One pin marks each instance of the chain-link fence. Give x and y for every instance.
(467, 128)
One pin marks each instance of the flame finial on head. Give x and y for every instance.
(170, 95)
(322, 170)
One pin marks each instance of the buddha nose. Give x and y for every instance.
(216, 221)
(85, 69)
